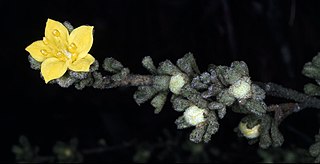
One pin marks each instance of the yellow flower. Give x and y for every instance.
(60, 51)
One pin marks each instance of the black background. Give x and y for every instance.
(275, 39)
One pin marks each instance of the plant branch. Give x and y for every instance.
(281, 111)
(134, 80)
(128, 80)
(304, 100)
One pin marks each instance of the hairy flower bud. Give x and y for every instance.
(249, 133)
(194, 115)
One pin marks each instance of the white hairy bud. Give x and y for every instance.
(241, 89)
(194, 115)
(177, 82)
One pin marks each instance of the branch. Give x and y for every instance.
(281, 111)
(108, 82)
(131, 80)
(272, 89)
(304, 100)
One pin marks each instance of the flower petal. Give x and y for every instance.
(39, 51)
(82, 37)
(56, 33)
(53, 68)
(82, 65)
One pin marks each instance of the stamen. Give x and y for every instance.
(56, 33)
(72, 48)
(45, 41)
(74, 57)
(44, 52)
(59, 54)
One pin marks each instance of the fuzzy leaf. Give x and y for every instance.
(158, 101)
(120, 75)
(312, 89)
(225, 98)
(188, 65)
(147, 63)
(315, 149)
(231, 76)
(265, 139)
(33, 63)
(112, 65)
(221, 71)
(167, 68)
(241, 67)
(197, 133)
(143, 94)
(213, 126)
(311, 71)
(161, 83)
(194, 96)
(256, 107)
(277, 137)
(257, 92)
(179, 104)
(316, 60)
(181, 123)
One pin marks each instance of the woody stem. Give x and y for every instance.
(303, 100)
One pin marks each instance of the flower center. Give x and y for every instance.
(65, 52)
(66, 55)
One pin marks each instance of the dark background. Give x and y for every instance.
(275, 39)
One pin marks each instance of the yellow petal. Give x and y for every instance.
(57, 34)
(53, 68)
(39, 51)
(82, 37)
(82, 65)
